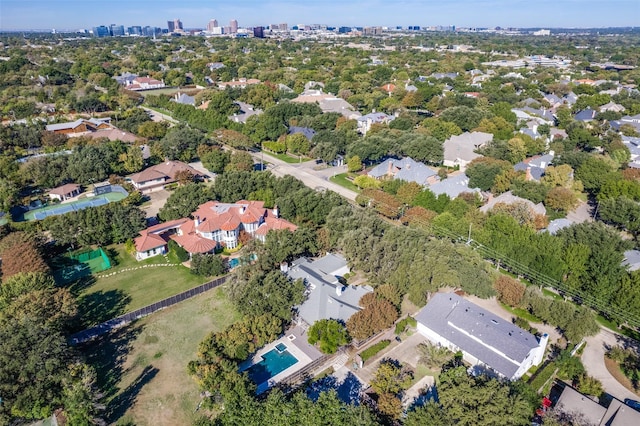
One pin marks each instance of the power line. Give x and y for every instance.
(535, 276)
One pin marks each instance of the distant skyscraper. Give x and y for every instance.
(101, 31)
(117, 30)
(171, 26)
(258, 32)
(177, 24)
(211, 25)
(234, 26)
(135, 30)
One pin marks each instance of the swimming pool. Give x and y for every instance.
(233, 263)
(273, 363)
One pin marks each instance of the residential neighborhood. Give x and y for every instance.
(217, 224)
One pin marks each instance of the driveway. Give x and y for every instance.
(593, 360)
(581, 214)
(157, 200)
(318, 180)
(159, 117)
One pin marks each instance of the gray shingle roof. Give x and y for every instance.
(453, 186)
(631, 260)
(558, 224)
(308, 132)
(585, 115)
(406, 169)
(509, 198)
(497, 343)
(464, 145)
(327, 297)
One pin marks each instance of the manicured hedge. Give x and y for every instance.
(369, 352)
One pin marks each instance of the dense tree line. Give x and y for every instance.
(39, 372)
(102, 225)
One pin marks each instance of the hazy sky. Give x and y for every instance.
(75, 14)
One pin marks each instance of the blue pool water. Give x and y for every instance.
(273, 363)
(236, 261)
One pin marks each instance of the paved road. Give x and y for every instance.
(158, 116)
(318, 180)
(593, 360)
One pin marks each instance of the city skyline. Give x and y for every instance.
(76, 14)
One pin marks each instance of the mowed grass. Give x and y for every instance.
(342, 180)
(287, 158)
(109, 296)
(142, 368)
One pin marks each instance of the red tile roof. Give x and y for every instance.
(273, 224)
(65, 189)
(147, 241)
(168, 170)
(193, 243)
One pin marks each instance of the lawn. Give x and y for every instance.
(142, 369)
(525, 315)
(109, 296)
(164, 91)
(285, 157)
(341, 179)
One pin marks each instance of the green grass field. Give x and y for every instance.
(286, 158)
(142, 368)
(108, 297)
(342, 180)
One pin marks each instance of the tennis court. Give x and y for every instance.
(74, 266)
(68, 207)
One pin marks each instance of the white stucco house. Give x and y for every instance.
(489, 343)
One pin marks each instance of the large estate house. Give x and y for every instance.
(155, 177)
(489, 343)
(214, 225)
(327, 296)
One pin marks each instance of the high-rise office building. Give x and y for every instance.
(258, 32)
(117, 30)
(233, 24)
(135, 30)
(175, 25)
(101, 31)
(211, 25)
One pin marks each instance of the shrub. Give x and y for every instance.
(330, 333)
(371, 351)
(509, 290)
(542, 376)
(401, 326)
(176, 252)
(208, 265)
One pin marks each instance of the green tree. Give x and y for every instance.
(482, 172)
(481, 400)
(354, 164)
(329, 333)
(216, 160)
(184, 200)
(391, 378)
(31, 383)
(208, 265)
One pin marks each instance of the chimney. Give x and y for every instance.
(339, 290)
(196, 220)
(276, 212)
(242, 209)
(527, 175)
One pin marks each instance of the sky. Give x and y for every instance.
(76, 14)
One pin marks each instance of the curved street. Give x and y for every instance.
(593, 360)
(317, 179)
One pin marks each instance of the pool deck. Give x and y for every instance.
(296, 343)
